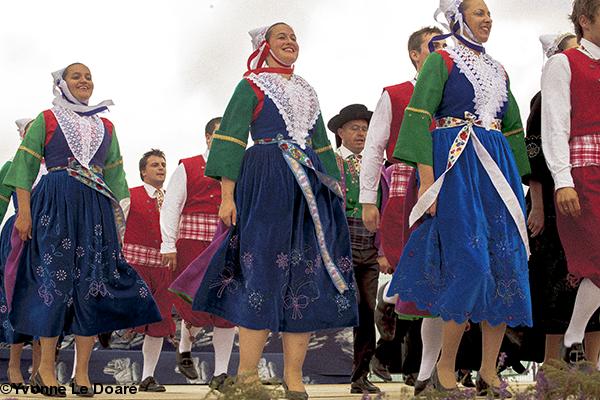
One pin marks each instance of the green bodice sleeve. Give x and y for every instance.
(26, 163)
(230, 140)
(114, 174)
(323, 148)
(415, 144)
(5, 191)
(512, 127)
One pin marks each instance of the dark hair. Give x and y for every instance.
(270, 30)
(212, 125)
(146, 156)
(587, 8)
(64, 74)
(562, 46)
(415, 41)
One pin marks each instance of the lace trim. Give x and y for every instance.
(488, 79)
(84, 134)
(295, 99)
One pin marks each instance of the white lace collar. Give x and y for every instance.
(295, 99)
(84, 134)
(488, 79)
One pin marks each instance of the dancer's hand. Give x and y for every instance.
(535, 222)
(370, 217)
(384, 265)
(23, 225)
(227, 211)
(567, 202)
(170, 260)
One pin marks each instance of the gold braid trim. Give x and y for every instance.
(114, 164)
(323, 149)
(513, 132)
(4, 198)
(418, 110)
(230, 139)
(33, 153)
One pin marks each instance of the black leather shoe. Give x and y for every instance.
(217, 382)
(48, 391)
(572, 355)
(437, 385)
(363, 385)
(379, 369)
(483, 389)
(104, 339)
(410, 379)
(294, 395)
(186, 365)
(81, 391)
(465, 379)
(420, 386)
(385, 317)
(150, 385)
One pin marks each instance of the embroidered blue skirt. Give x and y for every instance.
(468, 262)
(268, 273)
(7, 333)
(72, 276)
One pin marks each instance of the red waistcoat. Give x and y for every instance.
(203, 193)
(143, 221)
(400, 97)
(585, 93)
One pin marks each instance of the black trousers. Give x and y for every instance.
(366, 271)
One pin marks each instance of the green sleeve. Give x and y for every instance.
(5, 191)
(26, 163)
(415, 144)
(323, 148)
(512, 127)
(114, 174)
(230, 140)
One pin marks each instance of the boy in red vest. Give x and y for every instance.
(381, 139)
(571, 144)
(141, 248)
(188, 223)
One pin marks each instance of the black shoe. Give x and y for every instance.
(379, 369)
(363, 385)
(81, 391)
(437, 385)
(420, 386)
(410, 379)
(48, 391)
(218, 382)
(465, 379)
(292, 395)
(186, 365)
(385, 317)
(150, 385)
(483, 389)
(572, 355)
(104, 339)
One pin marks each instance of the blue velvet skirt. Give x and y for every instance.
(468, 262)
(268, 272)
(72, 276)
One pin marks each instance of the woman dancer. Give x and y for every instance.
(285, 264)
(468, 258)
(71, 274)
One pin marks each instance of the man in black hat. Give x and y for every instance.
(350, 127)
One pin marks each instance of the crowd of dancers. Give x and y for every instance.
(290, 235)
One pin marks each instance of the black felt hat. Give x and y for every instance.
(346, 114)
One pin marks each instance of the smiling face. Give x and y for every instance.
(282, 40)
(353, 134)
(79, 81)
(478, 18)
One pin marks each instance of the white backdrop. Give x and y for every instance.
(172, 65)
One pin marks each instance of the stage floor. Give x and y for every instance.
(393, 391)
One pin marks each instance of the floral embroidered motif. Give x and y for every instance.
(283, 261)
(488, 79)
(3, 309)
(116, 274)
(300, 298)
(143, 292)
(84, 134)
(79, 252)
(45, 220)
(533, 150)
(227, 281)
(234, 242)
(248, 259)
(66, 244)
(343, 303)
(61, 275)
(98, 230)
(295, 257)
(296, 101)
(345, 264)
(507, 290)
(47, 258)
(76, 273)
(255, 301)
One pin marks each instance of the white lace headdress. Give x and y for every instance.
(64, 98)
(21, 125)
(551, 42)
(456, 24)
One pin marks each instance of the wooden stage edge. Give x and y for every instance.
(393, 391)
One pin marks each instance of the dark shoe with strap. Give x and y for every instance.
(81, 391)
(363, 385)
(104, 339)
(294, 395)
(420, 386)
(573, 354)
(379, 369)
(186, 365)
(218, 382)
(484, 389)
(465, 379)
(437, 385)
(48, 391)
(150, 385)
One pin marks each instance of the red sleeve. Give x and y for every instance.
(108, 126)
(447, 60)
(261, 99)
(51, 125)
